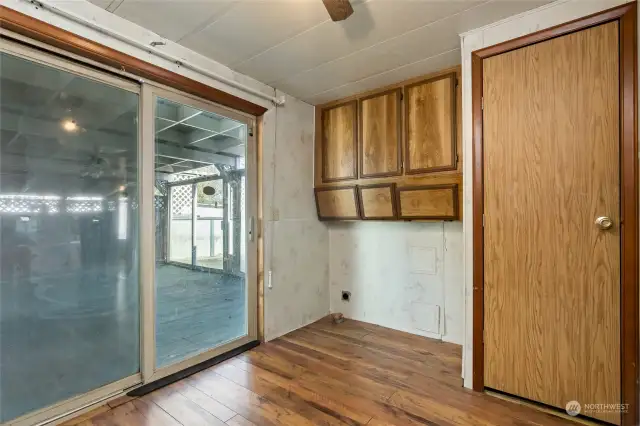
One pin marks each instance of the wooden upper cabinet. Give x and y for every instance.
(380, 134)
(430, 115)
(339, 142)
(339, 203)
(391, 153)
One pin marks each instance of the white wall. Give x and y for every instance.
(296, 243)
(402, 275)
(296, 247)
(526, 23)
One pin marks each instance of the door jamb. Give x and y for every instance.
(626, 16)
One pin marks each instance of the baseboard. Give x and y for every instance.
(427, 334)
(279, 334)
(455, 341)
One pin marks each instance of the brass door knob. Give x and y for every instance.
(604, 222)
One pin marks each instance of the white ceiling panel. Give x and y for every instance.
(372, 22)
(424, 42)
(405, 72)
(254, 26)
(173, 19)
(295, 47)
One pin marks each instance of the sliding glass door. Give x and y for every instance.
(69, 287)
(203, 290)
(126, 234)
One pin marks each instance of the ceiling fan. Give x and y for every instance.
(339, 10)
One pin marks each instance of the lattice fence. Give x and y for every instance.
(28, 206)
(35, 204)
(181, 201)
(84, 206)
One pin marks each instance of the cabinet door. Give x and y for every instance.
(339, 203)
(339, 142)
(431, 125)
(428, 202)
(380, 134)
(378, 201)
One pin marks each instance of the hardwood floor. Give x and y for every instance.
(353, 373)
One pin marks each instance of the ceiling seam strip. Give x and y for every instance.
(175, 123)
(380, 42)
(216, 133)
(114, 5)
(239, 63)
(383, 72)
(208, 23)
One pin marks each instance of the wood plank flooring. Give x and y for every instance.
(353, 373)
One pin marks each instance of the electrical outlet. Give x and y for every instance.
(269, 280)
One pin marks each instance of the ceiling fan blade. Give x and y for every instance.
(339, 10)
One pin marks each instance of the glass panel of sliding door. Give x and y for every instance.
(69, 298)
(201, 287)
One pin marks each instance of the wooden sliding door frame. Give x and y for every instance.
(629, 351)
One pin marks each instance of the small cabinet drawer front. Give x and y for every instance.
(339, 145)
(337, 203)
(380, 134)
(378, 201)
(428, 202)
(430, 115)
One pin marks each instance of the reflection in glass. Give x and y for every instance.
(209, 215)
(181, 224)
(69, 309)
(200, 282)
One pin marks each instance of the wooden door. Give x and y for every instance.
(380, 134)
(430, 116)
(339, 142)
(551, 168)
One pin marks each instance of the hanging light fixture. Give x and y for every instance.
(70, 125)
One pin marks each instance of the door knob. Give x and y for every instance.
(604, 222)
